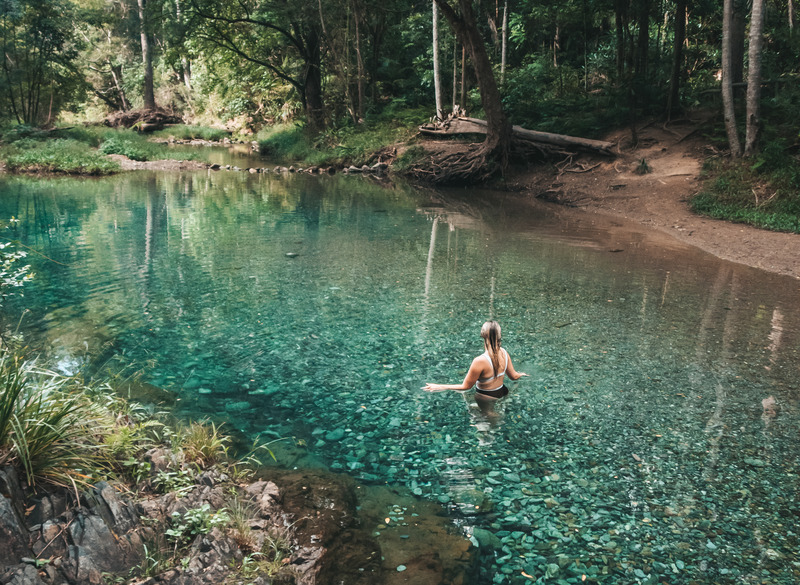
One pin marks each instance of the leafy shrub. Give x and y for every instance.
(194, 522)
(116, 145)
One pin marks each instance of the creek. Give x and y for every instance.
(655, 441)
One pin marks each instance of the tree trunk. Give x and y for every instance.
(620, 13)
(673, 98)
(359, 63)
(643, 43)
(455, 126)
(455, 73)
(504, 45)
(116, 76)
(463, 100)
(738, 28)
(498, 131)
(147, 59)
(753, 118)
(727, 81)
(186, 70)
(437, 86)
(312, 84)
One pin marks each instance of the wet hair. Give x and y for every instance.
(491, 341)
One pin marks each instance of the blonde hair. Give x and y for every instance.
(491, 341)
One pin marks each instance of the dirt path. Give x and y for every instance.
(659, 199)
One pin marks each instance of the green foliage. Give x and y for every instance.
(125, 147)
(203, 443)
(184, 132)
(56, 156)
(177, 482)
(12, 275)
(40, 46)
(764, 192)
(344, 144)
(48, 425)
(194, 522)
(410, 156)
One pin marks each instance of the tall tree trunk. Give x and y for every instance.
(116, 76)
(737, 34)
(186, 69)
(437, 86)
(312, 83)
(498, 135)
(643, 43)
(791, 16)
(359, 63)
(463, 75)
(677, 57)
(455, 73)
(753, 118)
(504, 45)
(727, 81)
(620, 21)
(147, 59)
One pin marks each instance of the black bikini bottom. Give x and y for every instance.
(496, 393)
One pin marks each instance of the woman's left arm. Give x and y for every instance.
(511, 372)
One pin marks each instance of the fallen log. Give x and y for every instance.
(461, 125)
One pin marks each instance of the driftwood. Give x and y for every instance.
(463, 125)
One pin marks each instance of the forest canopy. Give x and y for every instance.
(575, 67)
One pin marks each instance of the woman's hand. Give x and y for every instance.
(434, 387)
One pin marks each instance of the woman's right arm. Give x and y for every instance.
(469, 380)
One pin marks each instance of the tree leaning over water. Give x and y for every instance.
(494, 152)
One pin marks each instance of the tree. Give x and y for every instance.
(39, 51)
(496, 146)
(147, 58)
(283, 38)
(753, 118)
(677, 57)
(727, 82)
(437, 79)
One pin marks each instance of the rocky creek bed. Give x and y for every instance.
(334, 529)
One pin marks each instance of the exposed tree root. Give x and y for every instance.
(472, 165)
(142, 120)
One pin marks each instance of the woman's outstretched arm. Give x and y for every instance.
(469, 380)
(511, 372)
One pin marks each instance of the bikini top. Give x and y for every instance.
(483, 381)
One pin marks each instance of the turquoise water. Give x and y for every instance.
(314, 308)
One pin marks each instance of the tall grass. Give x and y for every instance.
(48, 425)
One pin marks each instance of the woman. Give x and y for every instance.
(488, 371)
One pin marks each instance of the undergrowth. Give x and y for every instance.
(763, 191)
(61, 155)
(81, 149)
(344, 143)
(185, 132)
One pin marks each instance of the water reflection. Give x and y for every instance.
(656, 438)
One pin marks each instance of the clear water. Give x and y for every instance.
(314, 309)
